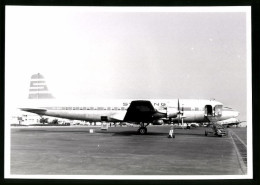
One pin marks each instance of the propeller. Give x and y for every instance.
(180, 113)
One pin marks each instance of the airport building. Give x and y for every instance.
(25, 119)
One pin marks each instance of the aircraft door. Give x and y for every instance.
(218, 110)
(208, 110)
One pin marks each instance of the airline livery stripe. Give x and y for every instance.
(38, 87)
(37, 80)
(33, 83)
(39, 91)
(40, 96)
(96, 108)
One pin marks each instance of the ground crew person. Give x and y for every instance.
(171, 133)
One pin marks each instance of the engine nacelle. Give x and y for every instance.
(172, 112)
(158, 122)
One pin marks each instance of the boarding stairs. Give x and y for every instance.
(212, 119)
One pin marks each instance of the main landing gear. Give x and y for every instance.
(142, 129)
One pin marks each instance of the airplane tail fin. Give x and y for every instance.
(38, 88)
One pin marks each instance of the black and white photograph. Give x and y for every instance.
(96, 92)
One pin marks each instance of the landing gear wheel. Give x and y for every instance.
(142, 130)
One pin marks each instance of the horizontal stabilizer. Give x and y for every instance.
(34, 110)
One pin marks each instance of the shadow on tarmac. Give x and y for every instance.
(114, 133)
(130, 133)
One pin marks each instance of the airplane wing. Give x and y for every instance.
(235, 123)
(230, 122)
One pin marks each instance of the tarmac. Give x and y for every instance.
(71, 150)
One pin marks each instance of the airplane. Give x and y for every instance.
(142, 112)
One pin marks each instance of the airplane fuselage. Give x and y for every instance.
(193, 110)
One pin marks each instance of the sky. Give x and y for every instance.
(131, 53)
